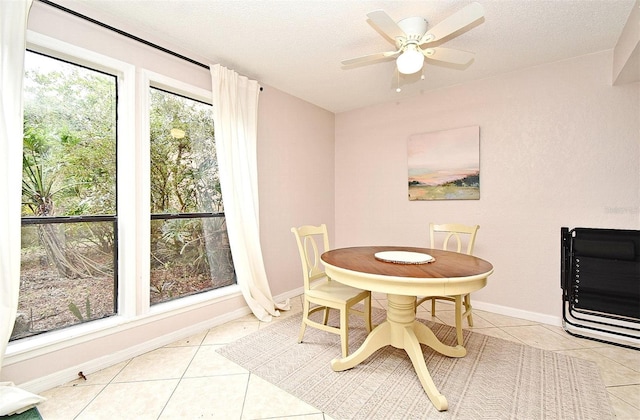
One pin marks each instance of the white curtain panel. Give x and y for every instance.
(13, 26)
(235, 118)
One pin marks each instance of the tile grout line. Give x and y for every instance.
(244, 399)
(104, 386)
(181, 376)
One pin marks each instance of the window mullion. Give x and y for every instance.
(143, 193)
(128, 178)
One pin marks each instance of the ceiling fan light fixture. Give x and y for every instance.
(410, 61)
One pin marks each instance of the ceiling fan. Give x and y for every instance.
(411, 36)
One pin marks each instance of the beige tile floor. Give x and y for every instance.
(188, 379)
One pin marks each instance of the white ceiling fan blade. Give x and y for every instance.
(370, 58)
(387, 25)
(448, 55)
(455, 22)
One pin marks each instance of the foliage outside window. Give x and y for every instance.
(68, 251)
(189, 244)
(69, 266)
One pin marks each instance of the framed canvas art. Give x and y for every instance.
(445, 165)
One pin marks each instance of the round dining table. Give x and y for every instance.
(404, 273)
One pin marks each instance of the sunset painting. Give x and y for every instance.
(445, 165)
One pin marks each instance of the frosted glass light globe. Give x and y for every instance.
(410, 61)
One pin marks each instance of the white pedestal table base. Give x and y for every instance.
(401, 330)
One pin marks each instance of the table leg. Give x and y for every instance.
(413, 349)
(428, 338)
(401, 330)
(376, 339)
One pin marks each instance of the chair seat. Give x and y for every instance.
(334, 291)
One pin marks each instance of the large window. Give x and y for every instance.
(69, 247)
(189, 244)
(115, 218)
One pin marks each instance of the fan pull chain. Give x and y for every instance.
(398, 79)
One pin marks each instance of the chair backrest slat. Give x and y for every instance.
(312, 242)
(458, 232)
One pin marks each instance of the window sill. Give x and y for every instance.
(27, 348)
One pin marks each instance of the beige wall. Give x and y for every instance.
(559, 146)
(295, 178)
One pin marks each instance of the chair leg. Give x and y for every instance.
(367, 313)
(344, 330)
(458, 309)
(433, 306)
(305, 316)
(467, 309)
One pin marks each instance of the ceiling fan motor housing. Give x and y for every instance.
(414, 27)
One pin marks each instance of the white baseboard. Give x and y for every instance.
(518, 313)
(512, 312)
(288, 295)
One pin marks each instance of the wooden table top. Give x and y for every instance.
(450, 274)
(447, 264)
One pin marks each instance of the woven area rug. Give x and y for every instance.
(497, 379)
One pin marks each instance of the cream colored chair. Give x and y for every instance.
(323, 292)
(461, 234)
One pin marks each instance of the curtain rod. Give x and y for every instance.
(126, 34)
(123, 33)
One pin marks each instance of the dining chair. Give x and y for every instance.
(323, 292)
(443, 234)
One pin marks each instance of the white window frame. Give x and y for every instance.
(133, 155)
(147, 80)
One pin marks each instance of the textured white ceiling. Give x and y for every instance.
(297, 46)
